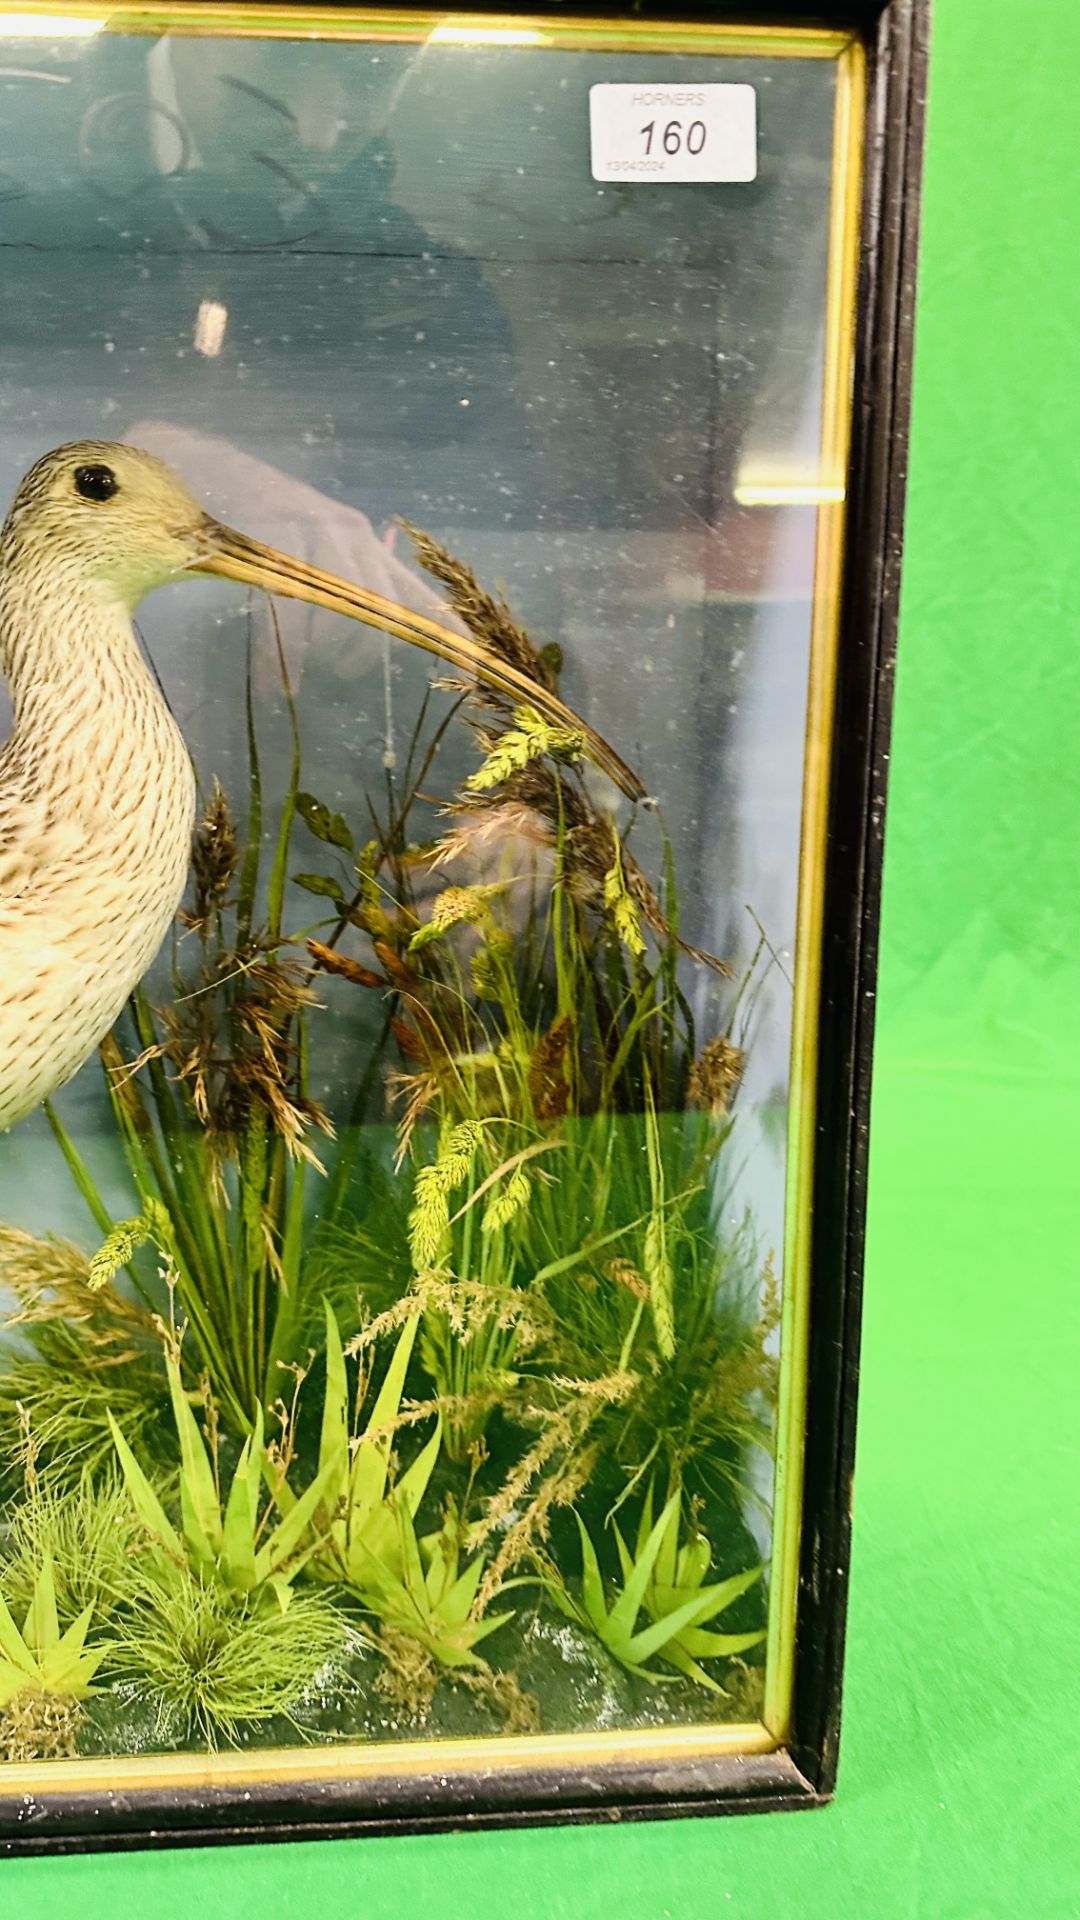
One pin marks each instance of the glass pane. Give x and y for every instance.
(394, 1275)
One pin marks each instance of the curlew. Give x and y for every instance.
(97, 793)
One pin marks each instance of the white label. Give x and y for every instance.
(641, 132)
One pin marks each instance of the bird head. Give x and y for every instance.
(118, 522)
(115, 518)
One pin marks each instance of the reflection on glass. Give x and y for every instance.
(393, 1307)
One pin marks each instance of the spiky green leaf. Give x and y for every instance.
(238, 1532)
(651, 1639)
(455, 1605)
(41, 1631)
(12, 1645)
(367, 1484)
(707, 1645)
(334, 1436)
(592, 1586)
(412, 1486)
(200, 1510)
(287, 1548)
(630, 1601)
(144, 1500)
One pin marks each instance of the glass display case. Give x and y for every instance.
(437, 927)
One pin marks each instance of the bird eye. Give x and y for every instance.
(96, 483)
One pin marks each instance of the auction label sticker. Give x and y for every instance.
(671, 133)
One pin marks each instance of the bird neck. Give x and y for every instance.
(69, 654)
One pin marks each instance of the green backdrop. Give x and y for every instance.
(959, 1774)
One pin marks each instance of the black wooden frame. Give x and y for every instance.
(896, 34)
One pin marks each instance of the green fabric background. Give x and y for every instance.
(959, 1779)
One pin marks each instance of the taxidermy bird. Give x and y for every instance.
(97, 793)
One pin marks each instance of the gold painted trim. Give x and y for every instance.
(403, 1760)
(404, 26)
(383, 1760)
(836, 406)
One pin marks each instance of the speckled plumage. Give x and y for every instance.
(97, 793)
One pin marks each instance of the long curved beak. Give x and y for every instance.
(234, 557)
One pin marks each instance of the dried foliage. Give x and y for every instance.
(230, 1042)
(215, 858)
(715, 1075)
(40, 1726)
(487, 617)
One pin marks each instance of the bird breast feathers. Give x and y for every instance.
(38, 841)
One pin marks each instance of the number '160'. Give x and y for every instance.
(672, 136)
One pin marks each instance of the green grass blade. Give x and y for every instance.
(242, 1514)
(693, 1563)
(368, 1482)
(456, 1604)
(279, 867)
(629, 1603)
(626, 1559)
(200, 1509)
(592, 1586)
(436, 1568)
(42, 1629)
(645, 1524)
(652, 1638)
(708, 1645)
(79, 1170)
(491, 1621)
(334, 1437)
(664, 1570)
(412, 1486)
(285, 1540)
(144, 1500)
(69, 1667)
(74, 1639)
(287, 1305)
(726, 1591)
(413, 1577)
(680, 1658)
(249, 872)
(13, 1646)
